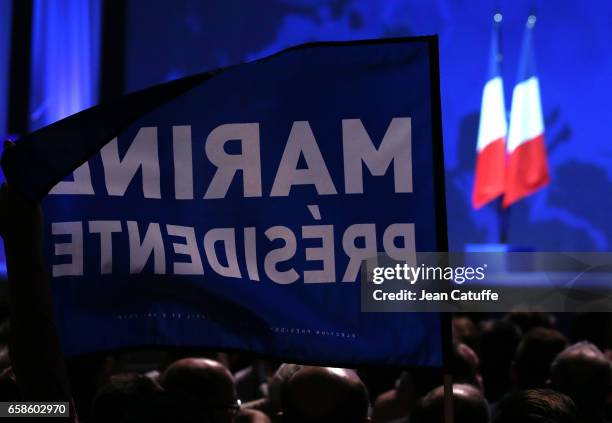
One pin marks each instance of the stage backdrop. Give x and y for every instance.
(571, 41)
(237, 213)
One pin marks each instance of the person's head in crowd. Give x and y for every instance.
(534, 355)
(536, 406)
(166, 407)
(5, 357)
(251, 416)
(174, 355)
(397, 402)
(465, 366)
(420, 380)
(498, 342)
(582, 372)
(325, 395)
(465, 331)
(527, 320)
(9, 391)
(253, 380)
(120, 395)
(87, 373)
(378, 379)
(411, 385)
(593, 327)
(205, 381)
(271, 404)
(469, 406)
(278, 384)
(5, 330)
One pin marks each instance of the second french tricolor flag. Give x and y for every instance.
(527, 166)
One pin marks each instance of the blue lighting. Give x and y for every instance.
(65, 63)
(571, 48)
(5, 45)
(5, 52)
(65, 58)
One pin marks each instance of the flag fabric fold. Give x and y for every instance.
(527, 165)
(492, 131)
(214, 211)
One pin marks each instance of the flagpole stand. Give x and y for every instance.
(503, 219)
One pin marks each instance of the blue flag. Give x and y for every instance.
(234, 209)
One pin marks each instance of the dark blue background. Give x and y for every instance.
(573, 62)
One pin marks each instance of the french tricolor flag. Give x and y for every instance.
(491, 147)
(527, 166)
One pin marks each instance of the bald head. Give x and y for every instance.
(325, 395)
(278, 384)
(465, 364)
(583, 373)
(205, 381)
(468, 405)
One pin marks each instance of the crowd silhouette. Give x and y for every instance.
(517, 367)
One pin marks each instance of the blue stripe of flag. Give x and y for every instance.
(527, 66)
